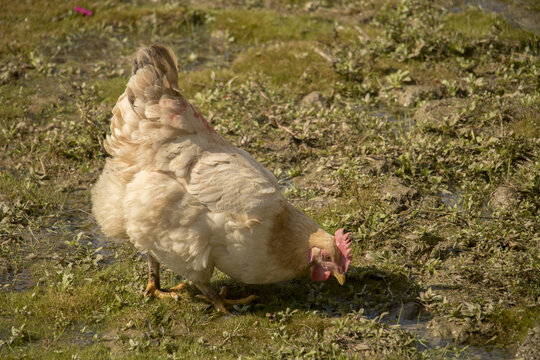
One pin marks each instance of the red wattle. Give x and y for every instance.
(319, 274)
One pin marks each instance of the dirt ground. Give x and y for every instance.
(413, 124)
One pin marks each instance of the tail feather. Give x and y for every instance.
(154, 74)
(162, 60)
(151, 110)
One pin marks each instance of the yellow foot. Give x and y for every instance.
(221, 303)
(153, 291)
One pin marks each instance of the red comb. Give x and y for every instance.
(343, 243)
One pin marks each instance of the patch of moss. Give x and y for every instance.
(474, 23)
(292, 64)
(261, 26)
(515, 322)
(190, 83)
(108, 90)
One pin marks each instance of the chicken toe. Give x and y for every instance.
(220, 301)
(153, 287)
(153, 291)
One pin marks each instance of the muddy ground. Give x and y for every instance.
(413, 124)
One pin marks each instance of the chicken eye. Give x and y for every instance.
(326, 257)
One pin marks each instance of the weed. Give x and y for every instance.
(442, 199)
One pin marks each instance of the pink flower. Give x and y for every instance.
(83, 11)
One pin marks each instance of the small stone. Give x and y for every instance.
(504, 198)
(370, 256)
(409, 96)
(314, 99)
(311, 6)
(219, 38)
(218, 35)
(399, 195)
(410, 311)
(377, 166)
(407, 311)
(445, 328)
(192, 57)
(435, 111)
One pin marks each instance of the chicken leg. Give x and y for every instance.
(153, 288)
(220, 301)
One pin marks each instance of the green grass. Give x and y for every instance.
(15, 98)
(261, 26)
(108, 90)
(293, 64)
(30, 21)
(389, 175)
(474, 23)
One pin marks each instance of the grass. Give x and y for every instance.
(281, 63)
(473, 23)
(416, 185)
(258, 27)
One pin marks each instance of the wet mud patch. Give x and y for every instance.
(71, 236)
(524, 14)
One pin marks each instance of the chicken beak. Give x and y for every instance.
(340, 277)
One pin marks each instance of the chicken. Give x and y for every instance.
(192, 201)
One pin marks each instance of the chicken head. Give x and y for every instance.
(329, 258)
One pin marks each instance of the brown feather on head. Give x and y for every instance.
(330, 256)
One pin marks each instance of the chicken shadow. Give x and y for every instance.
(369, 288)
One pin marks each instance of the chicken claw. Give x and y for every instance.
(153, 288)
(220, 301)
(154, 291)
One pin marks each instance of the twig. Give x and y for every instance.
(295, 137)
(274, 121)
(286, 129)
(265, 96)
(362, 32)
(325, 55)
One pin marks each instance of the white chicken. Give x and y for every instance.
(192, 201)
